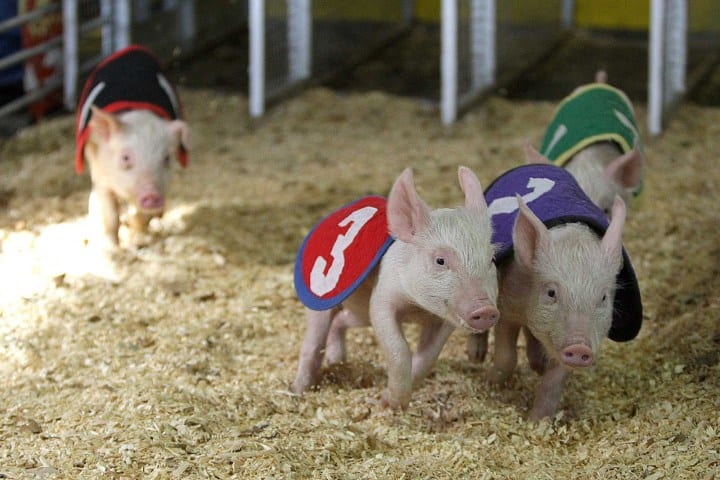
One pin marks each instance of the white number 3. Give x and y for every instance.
(320, 282)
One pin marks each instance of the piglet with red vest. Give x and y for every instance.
(129, 126)
(595, 136)
(381, 263)
(564, 279)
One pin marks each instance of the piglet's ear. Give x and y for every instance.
(626, 170)
(103, 125)
(406, 212)
(474, 197)
(180, 130)
(532, 156)
(529, 235)
(612, 240)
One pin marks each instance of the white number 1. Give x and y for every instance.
(321, 283)
(538, 187)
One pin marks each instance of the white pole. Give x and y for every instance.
(70, 53)
(676, 50)
(482, 43)
(655, 66)
(449, 62)
(568, 13)
(106, 30)
(299, 39)
(121, 23)
(408, 11)
(186, 20)
(256, 25)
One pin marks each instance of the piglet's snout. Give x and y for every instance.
(577, 355)
(483, 318)
(152, 201)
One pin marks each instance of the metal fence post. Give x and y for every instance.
(482, 38)
(121, 23)
(299, 37)
(449, 61)
(70, 53)
(655, 66)
(256, 68)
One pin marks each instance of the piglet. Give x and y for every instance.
(567, 285)
(439, 272)
(594, 135)
(129, 127)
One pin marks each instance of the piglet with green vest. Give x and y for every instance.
(594, 135)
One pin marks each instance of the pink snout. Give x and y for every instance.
(483, 318)
(578, 355)
(152, 201)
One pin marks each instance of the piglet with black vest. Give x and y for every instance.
(564, 279)
(434, 267)
(129, 127)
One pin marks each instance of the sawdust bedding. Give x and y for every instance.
(173, 358)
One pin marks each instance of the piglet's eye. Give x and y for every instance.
(125, 162)
(166, 160)
(551, 293)
(440, 261)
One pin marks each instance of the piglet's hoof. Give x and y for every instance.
(387, 400)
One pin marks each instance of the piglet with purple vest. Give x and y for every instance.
(564, 278)
(129, 126)
(438, 271)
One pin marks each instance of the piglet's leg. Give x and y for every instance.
(139, 221)
(311, 351)
(549, 392)
(335, 351)
(535, 352)
(383, 317)
(103, 208)
(505, 357)
(432, 339)
(477, 346)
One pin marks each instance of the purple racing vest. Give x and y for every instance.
(556, 198)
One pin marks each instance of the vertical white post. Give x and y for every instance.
(449, 61)
(299, 39)
(408, 11)
(655, 66)
(70, 53)
(106, 13)
(121, 23)
(676, 48)
(568, 13)
(482, 38)
(186, 20)
(256, 26)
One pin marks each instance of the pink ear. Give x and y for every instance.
(181, 132)
(474, 197)
(533, 156)
(612, 240)
(626, 170)
(406, 212)
(103, 125)
(529, 235)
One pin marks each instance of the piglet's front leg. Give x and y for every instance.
(549, 391)
(104, 209)
(432, 339)
(397, 354)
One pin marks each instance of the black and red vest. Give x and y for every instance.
(129, 79)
